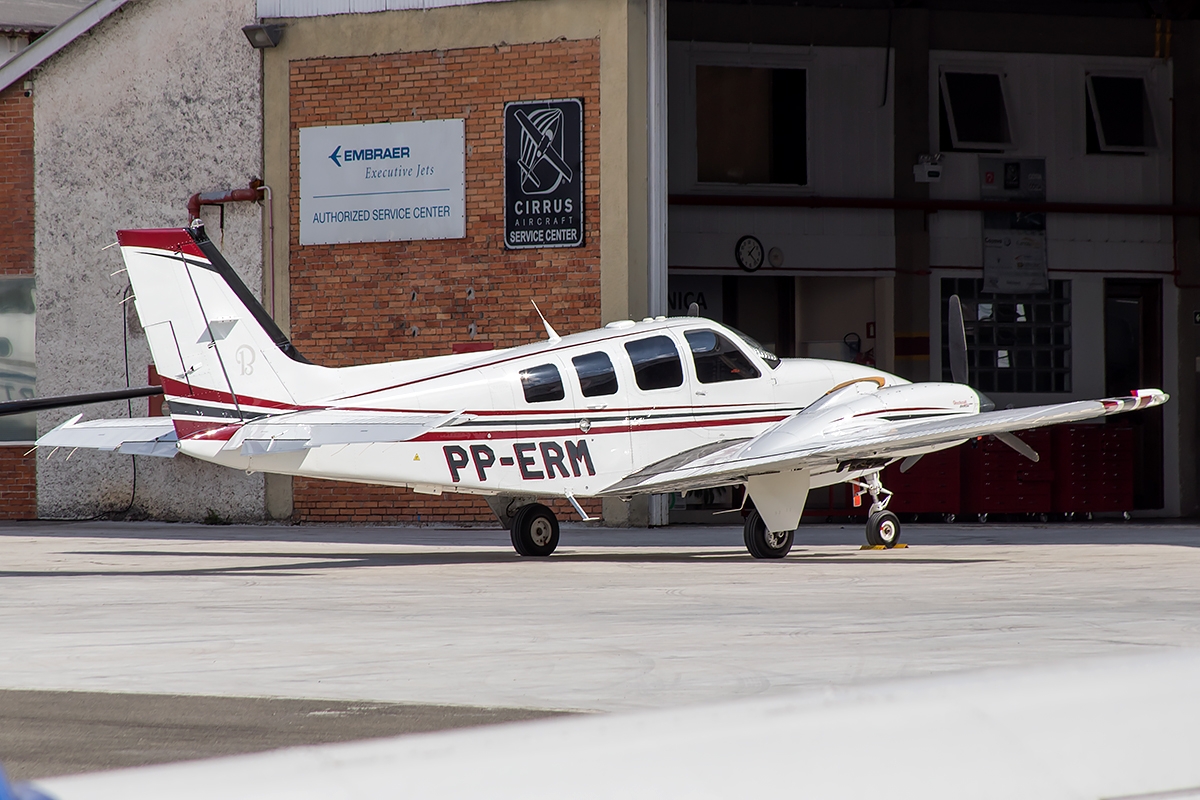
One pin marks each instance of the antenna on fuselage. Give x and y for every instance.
(554, 337)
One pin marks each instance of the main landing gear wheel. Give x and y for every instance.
(883, 529)
(761, 542)
(534, 530)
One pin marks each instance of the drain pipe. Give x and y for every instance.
(257, 190)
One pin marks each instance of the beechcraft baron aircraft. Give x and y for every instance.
(661, 405)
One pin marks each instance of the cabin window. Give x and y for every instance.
(972, 113)
(717, 359)
(751, 125)
(18, 374)
(596, 374)
(542, 384)
(656, 363)
(1118, 116)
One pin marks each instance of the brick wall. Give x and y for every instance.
(18, 474)
(375, 302)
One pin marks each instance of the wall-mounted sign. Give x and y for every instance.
(543, 174)
(703, 290)
(391, 182)
(1014, 243)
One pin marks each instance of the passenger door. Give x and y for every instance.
(661, 422)
(730, 390)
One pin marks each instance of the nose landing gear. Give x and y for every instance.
(883, 527)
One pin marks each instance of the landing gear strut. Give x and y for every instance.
(761, 542)
(883, 527)
(534, 530)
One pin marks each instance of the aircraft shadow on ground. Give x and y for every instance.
(298, 563)
(1171, 532)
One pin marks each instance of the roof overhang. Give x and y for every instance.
(58, 38)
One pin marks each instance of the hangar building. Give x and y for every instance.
(822, 177)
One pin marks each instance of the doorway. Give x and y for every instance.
(1133, 360)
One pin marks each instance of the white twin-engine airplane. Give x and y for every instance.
(661, 405)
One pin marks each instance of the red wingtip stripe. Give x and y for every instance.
(174, 240)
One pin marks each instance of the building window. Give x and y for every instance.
(655, 362)
(1015, 342)
(596, 374)
(17, 372)
(542, 384)
(716, 358)
(972, 111)
(1118, 116)
(751, 125)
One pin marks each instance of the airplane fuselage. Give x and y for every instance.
(565, 417)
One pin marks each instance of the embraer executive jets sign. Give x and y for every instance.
(391, 182)
(543, 174)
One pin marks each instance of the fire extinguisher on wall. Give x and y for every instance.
(853, 343)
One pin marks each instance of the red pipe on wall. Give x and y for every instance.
(251, 194)
(255, 191)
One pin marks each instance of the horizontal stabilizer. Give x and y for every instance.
(304, 430)
(144, 436)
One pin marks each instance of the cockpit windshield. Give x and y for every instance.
(760, 351)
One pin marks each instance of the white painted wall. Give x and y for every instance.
(849, 154)
(1045, 95)
(159, 101)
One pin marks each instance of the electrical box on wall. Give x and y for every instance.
(928, 169)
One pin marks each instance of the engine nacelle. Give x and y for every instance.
(864, 404)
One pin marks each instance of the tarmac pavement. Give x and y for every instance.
(457, 629)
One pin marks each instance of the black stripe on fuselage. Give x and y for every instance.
(182, 409)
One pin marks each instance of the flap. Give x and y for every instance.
(139, 436)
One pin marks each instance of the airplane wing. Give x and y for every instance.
(705, 467)
(304, 430)
(146, 436)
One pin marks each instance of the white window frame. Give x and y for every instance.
(944, 98)
(764, 57)
(1148, 107)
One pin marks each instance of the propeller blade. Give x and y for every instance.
(1020, 446)
(958, 341)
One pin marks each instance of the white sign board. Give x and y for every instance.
(391, 182)
(1014, 244)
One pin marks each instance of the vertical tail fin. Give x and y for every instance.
(218, 352)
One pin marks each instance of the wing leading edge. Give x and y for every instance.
(851, 440)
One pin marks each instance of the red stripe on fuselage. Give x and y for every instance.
(174, 388)
(460, 435)
(189, 429)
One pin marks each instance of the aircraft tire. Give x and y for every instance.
(534, 531)
(763, 544)
(883, 529)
